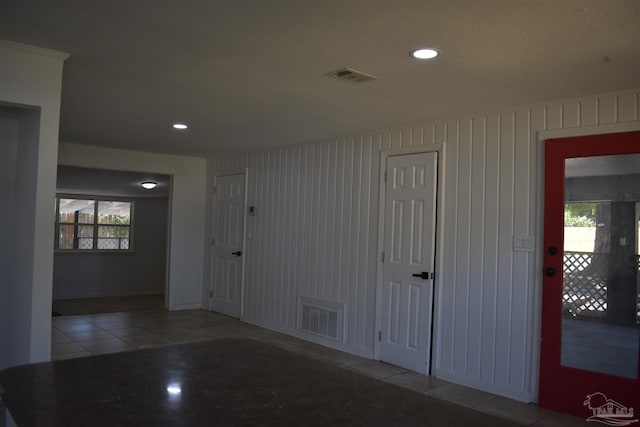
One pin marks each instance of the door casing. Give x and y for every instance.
(536, 293)
(552, 373)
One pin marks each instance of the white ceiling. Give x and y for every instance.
(101, 182)
(250, 74)
(615, 165)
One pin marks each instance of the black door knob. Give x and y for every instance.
(239, 253)
(552, 250)
(550, 271)
(424, 275)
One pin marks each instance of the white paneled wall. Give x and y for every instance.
(315, 234)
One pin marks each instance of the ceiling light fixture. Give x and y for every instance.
(149, 185)
(424, 53)
(180, 126)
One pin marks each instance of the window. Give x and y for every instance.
(92, 224)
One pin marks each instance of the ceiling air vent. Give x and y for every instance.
(352, 76)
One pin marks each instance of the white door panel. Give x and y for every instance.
(409, 235)
(226, 253)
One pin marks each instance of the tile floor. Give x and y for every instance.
(80, 336)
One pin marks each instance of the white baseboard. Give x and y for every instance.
(111, 294)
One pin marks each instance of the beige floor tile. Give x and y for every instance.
(518, 411)
(93, 346)
(562, 420)
(102, 318)
(129, 332)
(461, 395)
(377, 369)
(66, 347)
(90, 336)
(116, 324)
(114, 349)
(60, 338)
(70, 355)
(75, 325)
(147, 341)
(416, 382)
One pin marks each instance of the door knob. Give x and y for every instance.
(550, 271)
(239, 253)
(424, 275)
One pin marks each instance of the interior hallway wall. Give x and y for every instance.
(30, 90)
(315, 234)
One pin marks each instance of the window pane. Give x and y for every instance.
(65, 237)
(113, 237)
(601, 271)
(117, 213)
(85, 231)
(85, 243)
(113, 231)
(83, 209)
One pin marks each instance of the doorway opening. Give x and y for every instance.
(111, 241)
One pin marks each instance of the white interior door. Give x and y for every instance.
(228, 237)
(407, 278)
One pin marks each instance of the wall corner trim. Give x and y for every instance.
(34, 49)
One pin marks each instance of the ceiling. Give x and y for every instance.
(614, 165)
(73, 180)
(250, 74)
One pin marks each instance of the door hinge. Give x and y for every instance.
(215, 189)
(385, 176)
(382, 257)
(379, 335)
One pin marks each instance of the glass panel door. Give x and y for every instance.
(590, 334)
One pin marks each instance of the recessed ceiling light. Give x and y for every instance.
(180, 126)
(425, 53)
(149, 185)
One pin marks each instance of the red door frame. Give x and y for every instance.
(562, 388)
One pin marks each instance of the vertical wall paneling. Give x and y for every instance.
(522, 217)
(476, 244)
(488, 296)
(628, 107)
(588, 112)
(345, 261)
(354, 303)
(462, 252)
(570, 115)
(607, 109)
(367, 254)
(448, 302)
(316, 227)
(502, 357)
(554, 117)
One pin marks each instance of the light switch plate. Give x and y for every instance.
(523, 244)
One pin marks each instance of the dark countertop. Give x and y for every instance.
(228, 382)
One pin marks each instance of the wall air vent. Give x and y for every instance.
(322, 318)
(352, 76)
